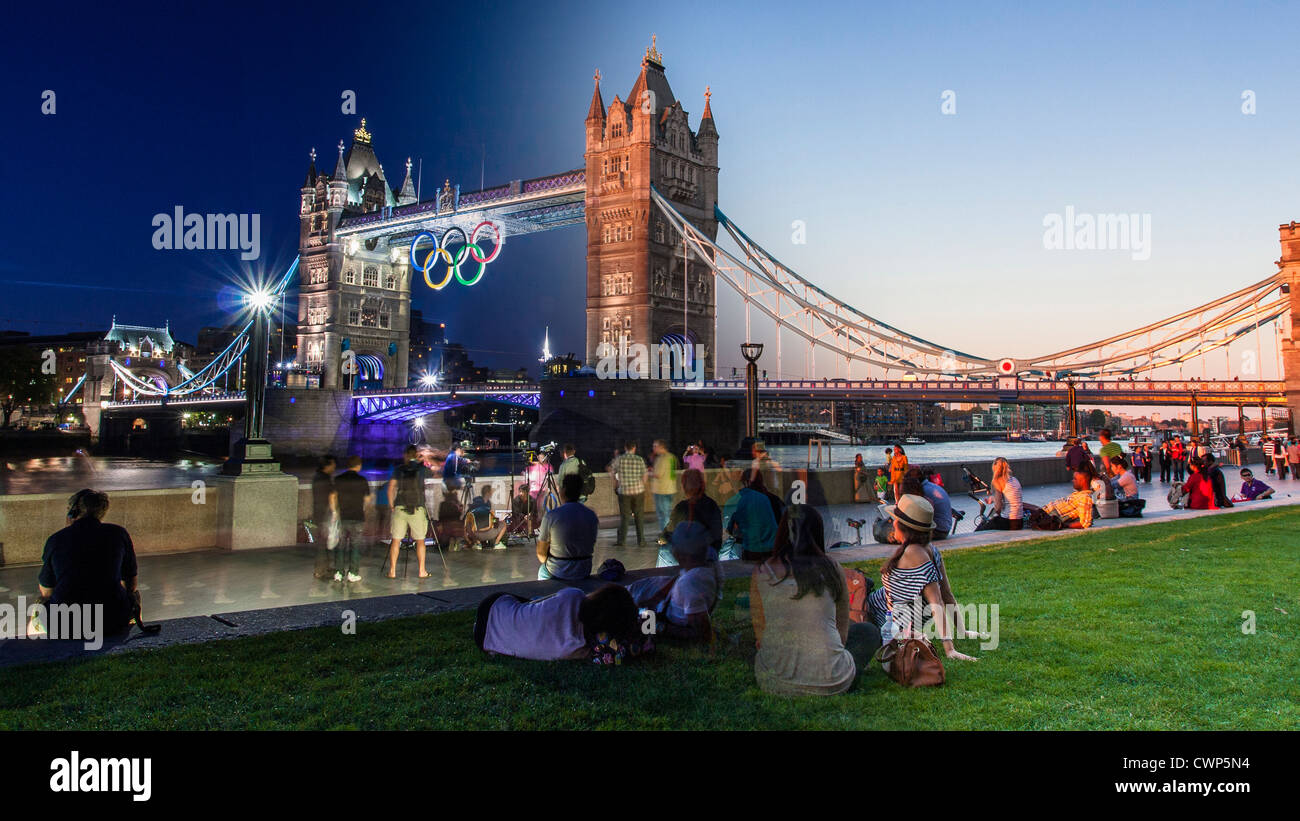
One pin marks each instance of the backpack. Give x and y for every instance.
(588, 478)
(1177, 495)
(410, 485)
(859, 587)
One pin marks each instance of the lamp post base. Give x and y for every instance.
(250, 457)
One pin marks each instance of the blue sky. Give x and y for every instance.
(828, 113)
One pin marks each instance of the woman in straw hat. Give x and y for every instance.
(911, 578)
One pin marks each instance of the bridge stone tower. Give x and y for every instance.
(354, 291)
(1290, 268)
(639, 288)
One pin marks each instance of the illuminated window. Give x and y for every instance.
(354, 317)
(370, 277)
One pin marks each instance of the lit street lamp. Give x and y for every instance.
(252, 454)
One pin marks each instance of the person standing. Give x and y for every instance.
(1109, 450)
(1139, 460)
(1279, 457)
(406, 493)
(629, 472)
(1267, 444)
(897, 470)
(1178, 458)
(536, 474)
(324, 504)
(663, 481)
(352, 492)
(1146, 466)
(863, 487)
(1166, 462)
(694, 458)
(1293, 458)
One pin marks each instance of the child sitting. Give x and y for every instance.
(683, 602)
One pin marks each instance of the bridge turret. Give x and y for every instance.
(1289, 266)
(637, 290)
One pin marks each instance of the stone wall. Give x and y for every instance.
(160, 521)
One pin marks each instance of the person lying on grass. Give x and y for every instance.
(683, 601)
(1252, 488)
(807, 644)
(910, 579)
(1076, 510)
(563, 625)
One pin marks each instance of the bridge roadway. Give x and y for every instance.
(400, 405)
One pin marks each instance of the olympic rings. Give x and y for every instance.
(469, 247)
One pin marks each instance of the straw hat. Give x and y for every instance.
(914, 511)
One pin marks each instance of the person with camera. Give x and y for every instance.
(456, 470)
(535, 474)
(91, 563)
(406, 492)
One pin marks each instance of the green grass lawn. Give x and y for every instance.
(1130, 628)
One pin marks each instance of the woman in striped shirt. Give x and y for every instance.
(1006, 498)
(911, 577)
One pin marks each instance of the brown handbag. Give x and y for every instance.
(911, 662)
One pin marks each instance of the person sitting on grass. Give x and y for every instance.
(568, 537)
(563, 625)
(1076, 510)
(1252, 488)
(481, 525)
(1199, 492)
(911, 579)
(683, 601)
(91, 563)
(1122, 479)
(799, 603)
(1218, 484)
(916, 484)
(696, 507)
(748, 518)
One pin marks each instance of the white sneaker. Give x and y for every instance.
(499, 546)
(478, 545)
(353, 577)
(338, 577)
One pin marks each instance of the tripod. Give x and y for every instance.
(407, 546)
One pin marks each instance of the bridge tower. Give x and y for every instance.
(639, 287)
(1290, 268)
(360, 291)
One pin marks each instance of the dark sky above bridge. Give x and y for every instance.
(829, 115)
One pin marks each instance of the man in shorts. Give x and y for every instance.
(406, 493)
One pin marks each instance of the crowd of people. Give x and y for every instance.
(808, 636)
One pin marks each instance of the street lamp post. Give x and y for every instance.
(751, 351)
(252, 454)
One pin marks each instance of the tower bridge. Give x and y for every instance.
(659, 246)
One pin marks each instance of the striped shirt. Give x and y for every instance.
(629, 469)
(903, 588)
(1010, 502)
